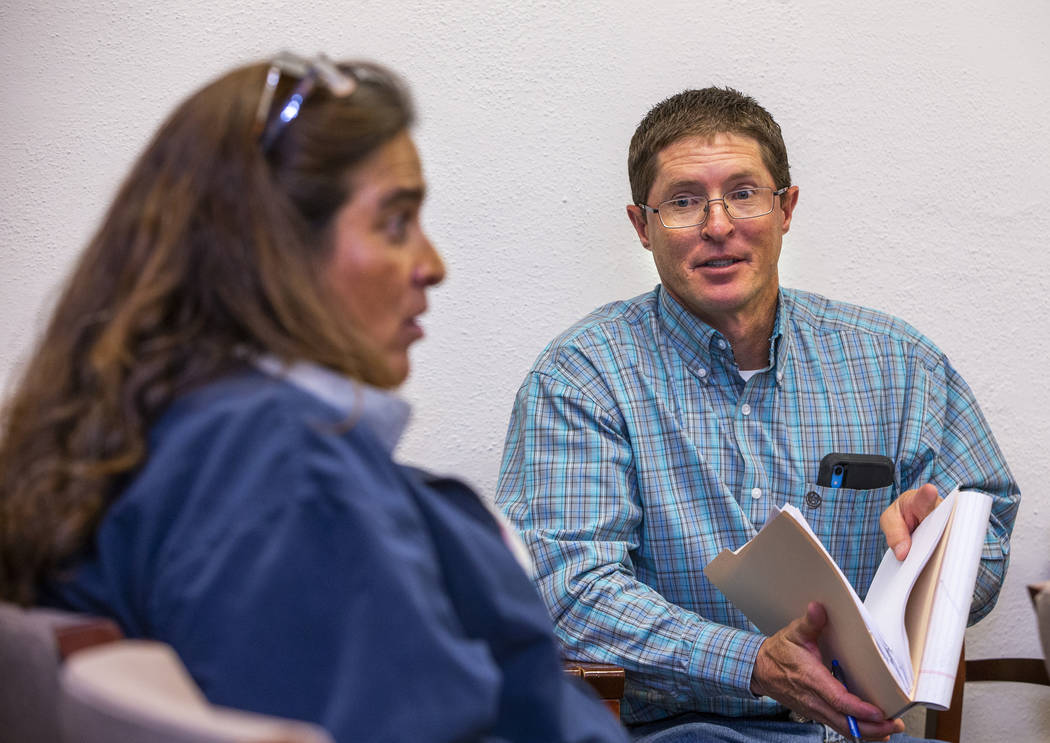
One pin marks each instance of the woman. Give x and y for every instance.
(201, 444)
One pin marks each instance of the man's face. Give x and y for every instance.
(723, 271)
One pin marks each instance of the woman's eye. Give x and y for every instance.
(397, 226)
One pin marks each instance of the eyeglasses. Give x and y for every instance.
(320, 69)
(692, 211)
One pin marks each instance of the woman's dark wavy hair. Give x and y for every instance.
(210, 252)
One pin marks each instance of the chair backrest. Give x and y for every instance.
(1040, 593)
(138, 690)
(33, 643)
(947, 725)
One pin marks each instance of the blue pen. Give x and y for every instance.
(836, 671)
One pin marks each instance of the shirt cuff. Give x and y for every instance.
(724, 659)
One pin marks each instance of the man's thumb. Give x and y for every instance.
(812, 622)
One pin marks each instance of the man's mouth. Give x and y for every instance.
(719, 262)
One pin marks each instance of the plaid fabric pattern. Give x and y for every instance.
(636, 452)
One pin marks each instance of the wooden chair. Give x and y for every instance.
(607, 680)
(947, 725)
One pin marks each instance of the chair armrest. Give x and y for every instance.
(606, 679)
(73, 631)
(89, 633)
(1040, 594)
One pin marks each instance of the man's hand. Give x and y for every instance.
(899, 520)
(789, 670)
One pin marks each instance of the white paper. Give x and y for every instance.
(940, 658)
(891, 587)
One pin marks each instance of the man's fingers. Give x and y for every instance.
(808, 627)
(815, 619)
(921, 505)
(904, 514)
(877, 731)
(898, 536)
(833, 708)
(806, 685)
(789, 669)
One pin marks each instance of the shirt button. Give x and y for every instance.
(780, 376)
(813, 499)
(721, 344)
(745, 409)
(701, 372)
(756, 493)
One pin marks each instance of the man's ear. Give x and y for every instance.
(639, 219)
(787, 205)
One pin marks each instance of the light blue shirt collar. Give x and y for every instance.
(385, 414)
(700, 344)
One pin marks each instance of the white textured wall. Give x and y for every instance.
(917, 134)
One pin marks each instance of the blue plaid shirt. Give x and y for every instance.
(636, 453)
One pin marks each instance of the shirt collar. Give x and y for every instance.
(382, 412)
(700, 345)
(780, 343)
(777, 346)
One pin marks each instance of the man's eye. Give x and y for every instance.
(683, 203)
(743, 194)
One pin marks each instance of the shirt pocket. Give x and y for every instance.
(847, 522)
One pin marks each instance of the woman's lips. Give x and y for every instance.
(413, 330)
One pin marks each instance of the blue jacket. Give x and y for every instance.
(299, 571)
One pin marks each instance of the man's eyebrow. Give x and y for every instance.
(688, 183)
(403, 195)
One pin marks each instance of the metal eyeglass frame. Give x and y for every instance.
(309, 71)
(707, 207)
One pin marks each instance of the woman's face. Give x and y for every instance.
(382, 263)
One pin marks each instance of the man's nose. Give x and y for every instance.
(719, 223)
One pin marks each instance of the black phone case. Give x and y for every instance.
(862, 471)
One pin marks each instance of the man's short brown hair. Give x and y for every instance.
(703, 113)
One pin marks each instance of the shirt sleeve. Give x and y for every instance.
(567, 482)
(965, 454)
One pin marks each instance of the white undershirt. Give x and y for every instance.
(748, 373)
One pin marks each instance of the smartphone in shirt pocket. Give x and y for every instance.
(856, 471)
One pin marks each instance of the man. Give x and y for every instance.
(660, 430)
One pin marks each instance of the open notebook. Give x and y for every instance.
(901, 645)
